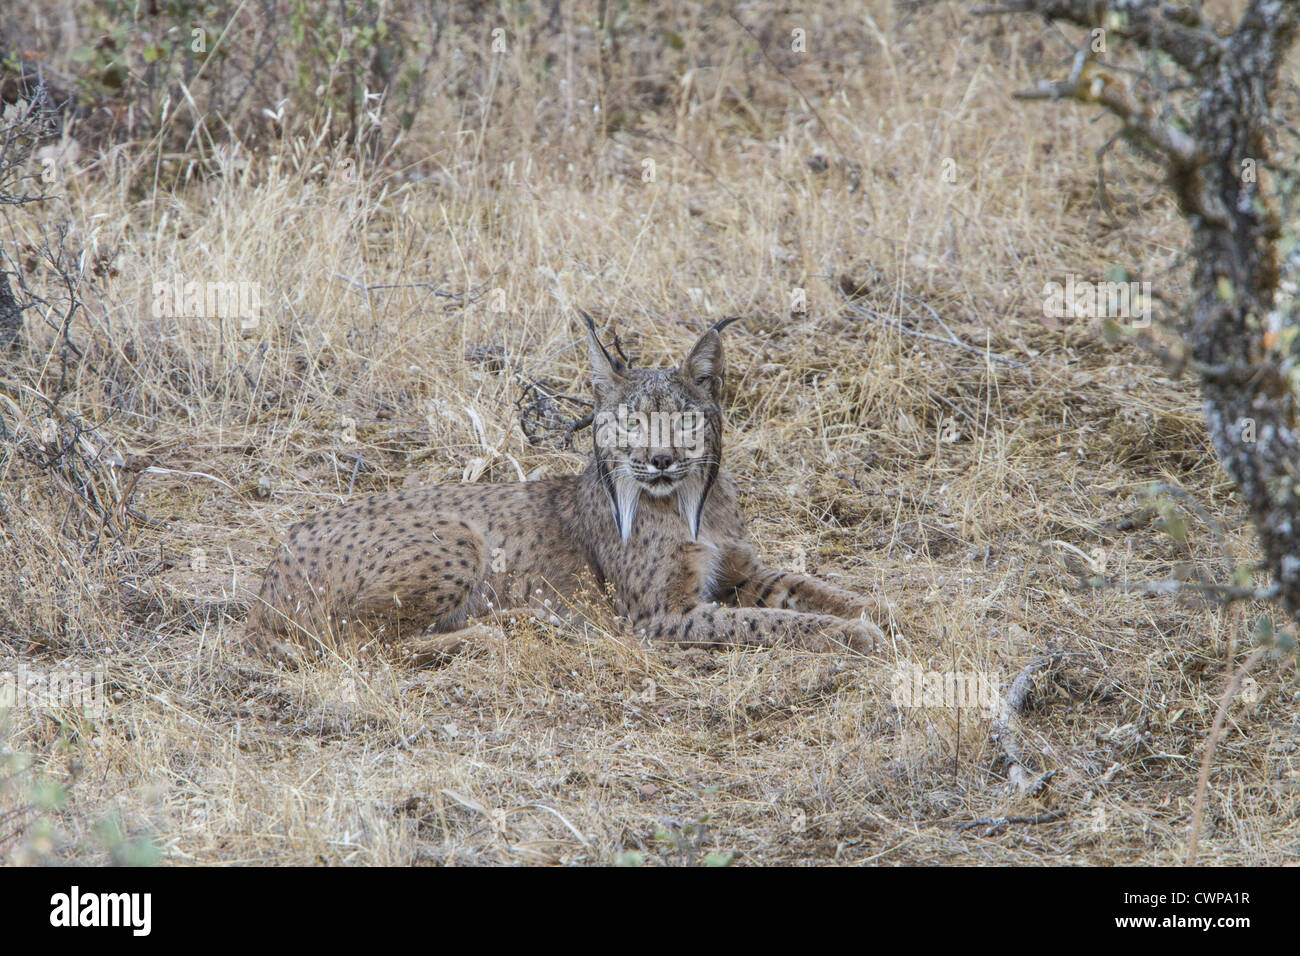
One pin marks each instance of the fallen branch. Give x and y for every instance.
(997, 823)
(1225, 593)
(1004, 730)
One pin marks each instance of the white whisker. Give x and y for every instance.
(627, 495)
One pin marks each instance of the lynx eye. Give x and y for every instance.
(690, 421)
(634, 426)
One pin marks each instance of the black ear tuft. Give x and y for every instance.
(607, 372)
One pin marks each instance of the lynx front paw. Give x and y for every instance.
(862, 636)
(440, 648)
(881, 616)
(261, 642)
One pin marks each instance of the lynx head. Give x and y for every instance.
(658, 432)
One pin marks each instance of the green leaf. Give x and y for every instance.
(17, 763)
(49, 794)
(1175, 524)
(719, 859)
(83, 54)
(1116, 274)
(1264, 633)
(109, 831)
(1223, 288)
(630, 858)
(137, 851)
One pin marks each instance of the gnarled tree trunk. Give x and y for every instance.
(1243, 318)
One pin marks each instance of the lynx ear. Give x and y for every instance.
(607, 372)
(705, 365)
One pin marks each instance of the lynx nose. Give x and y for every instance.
(662, 462)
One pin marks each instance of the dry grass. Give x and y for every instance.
(551, 748)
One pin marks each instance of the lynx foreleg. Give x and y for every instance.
(713, 625)
(747, 583)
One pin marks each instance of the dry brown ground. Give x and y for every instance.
(964, 487)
